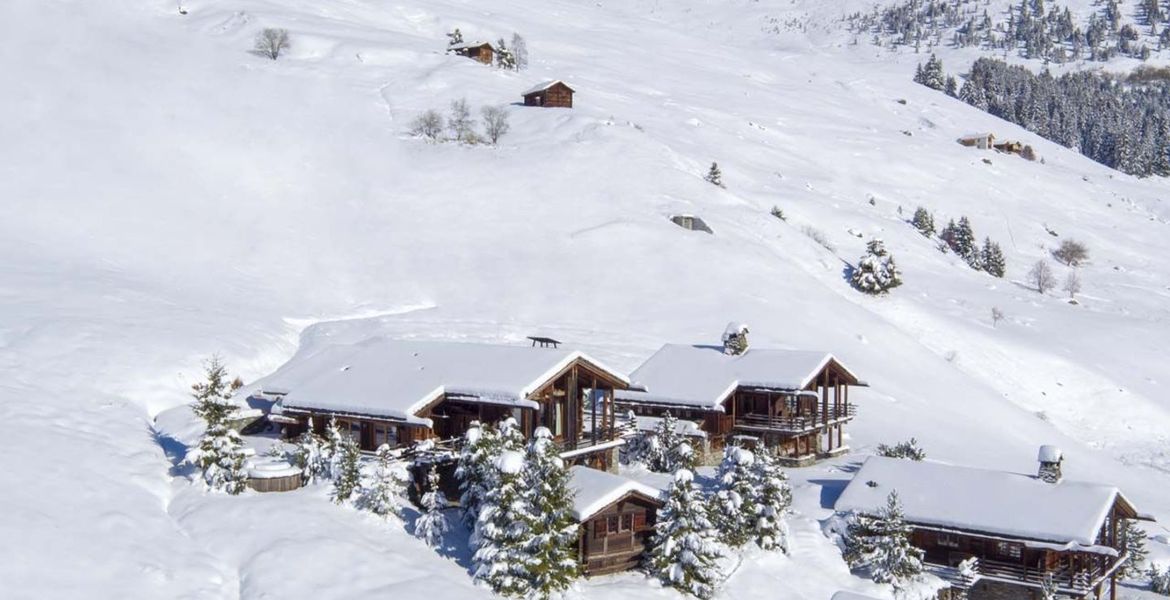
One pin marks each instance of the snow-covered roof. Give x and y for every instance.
(681, 426)
(467, 45)
(843, 595)
(980, 500)
(546, 85)
(595, 490)
(395, 378)
(703, 376)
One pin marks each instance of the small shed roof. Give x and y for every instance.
(470, 45)
(594, 490)
(979, 500)
(397, 378)
(703, 376)
(546, 85)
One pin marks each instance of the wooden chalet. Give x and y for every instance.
(617, 517)
(796, 402)
(484, 52)
(553, 94)
(982, 141)
(397, 393)
(994, 535)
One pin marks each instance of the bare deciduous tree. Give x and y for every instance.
(520, 51)
(1071, 253)
(272, 41)
(996, 316)
(495, 122)
(1072, 283)
(1042, 277)
(460, 122)
(428, 125)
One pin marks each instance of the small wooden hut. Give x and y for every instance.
(481, 51)
(617, 517)
(982, 141)
(553, 94)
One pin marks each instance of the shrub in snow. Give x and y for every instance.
(876, 272)
(714, 176)
(347, 478)
(495, 123)
(1071, 253)
(271, 42)
(1159, 580)
(991, 258)
(737, 497)
(221, 450)
(773, 502)
(1072, 284)
(503, 559)
(923, 221)
(686, 546)
(428, 125)
(520, 51)
(381, 495)
(881, 544)
(1134, 538)
(460, 123)
(996, 316)
(554, 535)
(779, 214)
(454, 38)
(908, 450)
(819, 237)
(431, 525)
(505, 59)
(1042, 277)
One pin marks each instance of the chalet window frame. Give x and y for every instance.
(947, 540)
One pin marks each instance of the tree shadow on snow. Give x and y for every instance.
(454, 545)
(830, 490)
(175, 451)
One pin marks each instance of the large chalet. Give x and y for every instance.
(995, 534)
(796, 402)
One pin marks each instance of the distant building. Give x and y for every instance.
(1010, 146)
(691, 222)
(982, 141)
(553, 94)
(617, 517)
(996, 534)
(481, 51)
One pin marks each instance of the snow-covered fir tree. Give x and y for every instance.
(991, 258)
(923, 221)
(909, 450)
(331, 449)
(310, 456)
(668, 451)
(685, 548)
(1135, 546)
(555, 533)
(737, 497)
(503, 558)
(1159, 580)
(505, 59)
(220, 454)
(454, 38)
(347, 478)
(931, 74)
(774, 502)
(881, 545)
(381, 495)
(876, 272)
(431, 525)
(479, 449)
(714, 176)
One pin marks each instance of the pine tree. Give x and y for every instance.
(685, 546)
(432, 524)
(952, 87)
(992, 258)
(503, 558)
(1135, 546)
(347, 479)
(881, 544)
(932, 74)
(923, 221)
(775, 499)
(668, 451)
(221, 449)
(964, 243)
(555, 533)
(454, 38)
(480, 445)
(310, 457)
(714, 176)
(504, 57)
(331, 449)
(876, 272)
(737, 499)
(381, 497)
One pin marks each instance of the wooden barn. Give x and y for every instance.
(982, 141)
(995, 534)
(553, 94)
(1009, 147)
(395, 392)
(484, 52)
(796, 402)
(617, 517)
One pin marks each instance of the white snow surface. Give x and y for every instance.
(984, 500)
(169, 194)
(396, 378)
(702, 376)
(594, 490)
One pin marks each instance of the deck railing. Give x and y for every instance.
(795, 424)
(1066, 580)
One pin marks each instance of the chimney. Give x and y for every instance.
(1050, 458)
(735, 340)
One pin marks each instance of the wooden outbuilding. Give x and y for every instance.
(553, 94)
(982, 141)
(1010, 147)
(617, 517)
(484, 52)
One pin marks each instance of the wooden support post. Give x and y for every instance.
(825, 398)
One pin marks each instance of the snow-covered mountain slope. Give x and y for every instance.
(170, 194)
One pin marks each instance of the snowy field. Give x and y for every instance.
(169, 194)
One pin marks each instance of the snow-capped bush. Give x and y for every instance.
(1159, 580)
(714, 176)
(347, 476)
(271, 42)
(428, 125)
(908, 449)
(310, 456)
(666, 450)
(381, 495)
(737, 497)
(773, 502)
(686, 544)
(1071, 253)
(876, 272)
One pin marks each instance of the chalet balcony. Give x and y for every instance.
(1068, 581)
(795, 424)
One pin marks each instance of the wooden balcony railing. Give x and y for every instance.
(1066, 580)
(795, 424)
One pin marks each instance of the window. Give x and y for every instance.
(612, 525)
(351, 429)
(627, 522)
(948, 540)
(1007, 549)
(385, 434)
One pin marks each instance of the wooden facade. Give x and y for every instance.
(616, 538)
(482, 52)
(555, 95)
